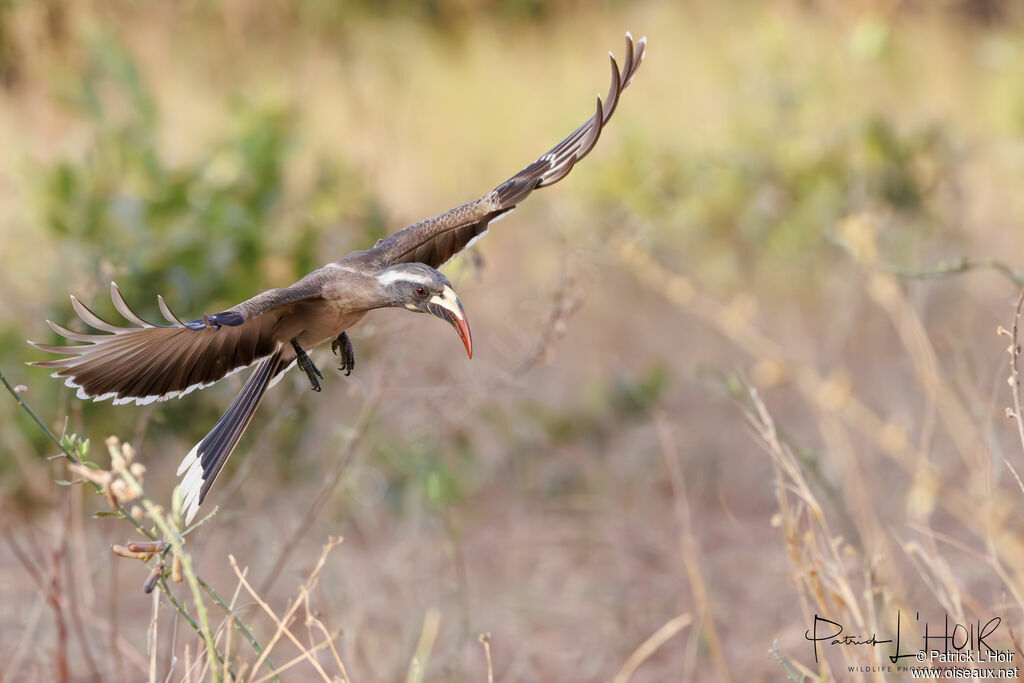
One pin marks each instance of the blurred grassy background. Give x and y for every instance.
(206, 150)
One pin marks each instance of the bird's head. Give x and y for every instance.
(422, 289)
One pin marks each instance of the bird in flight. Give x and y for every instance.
(274, 330)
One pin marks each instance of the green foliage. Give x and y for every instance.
(199, 230)
(603, 406)
(761, 210)
(424, 473)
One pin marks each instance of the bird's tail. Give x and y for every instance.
(204, 462)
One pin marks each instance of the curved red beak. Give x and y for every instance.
(447, 307)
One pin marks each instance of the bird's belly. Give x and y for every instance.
(326, 325)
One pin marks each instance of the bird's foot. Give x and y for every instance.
(342, 347)
(306, 365)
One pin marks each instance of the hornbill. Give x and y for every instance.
(146, 362)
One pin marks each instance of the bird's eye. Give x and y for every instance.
(421, 292)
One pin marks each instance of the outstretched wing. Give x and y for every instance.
(146, 362)
(435, 240)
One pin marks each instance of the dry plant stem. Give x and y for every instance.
(330, 641)
(239, 624)
(1015, 370)
(12, 660)
(306, 655)
(428, 635)
(790, 674)
(805, 555)
(75, 602)
(32, 413)
(226, 671)
(282, 623)
(961, 266)
(72, 457)
(327, 488)
(174, 539)
(153, 632)
(822, 392)
(162, 584)
(50, 590)
(563, 306)
(688, 547)
(485, 640)
(651, 645)
(956, 418)
(55, 592)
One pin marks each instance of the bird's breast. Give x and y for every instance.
(328, 321)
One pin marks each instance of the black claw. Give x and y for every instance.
(342, 347)
(307, 366)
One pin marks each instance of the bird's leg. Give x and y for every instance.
(306, 365)
(342, 347)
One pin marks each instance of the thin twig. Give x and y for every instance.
(74, 603)
(306, 654)
(420, 657)
(172, 537)
(790, 674)
(1015, 352)
(282, 623)
(565, 303)
(330, 640)
(647, 648)
(240, 625)
(485, 640)
(960, 266)
(28, 409)
(56, 602)
(326, 489)
(153, 632)
(689, 547)
(72, 457)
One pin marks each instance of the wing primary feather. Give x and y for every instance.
(627, 66)
(93, 320)
(124, 309)
(72, 335)
(613, 91)
(167, 313)
(66, 350)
